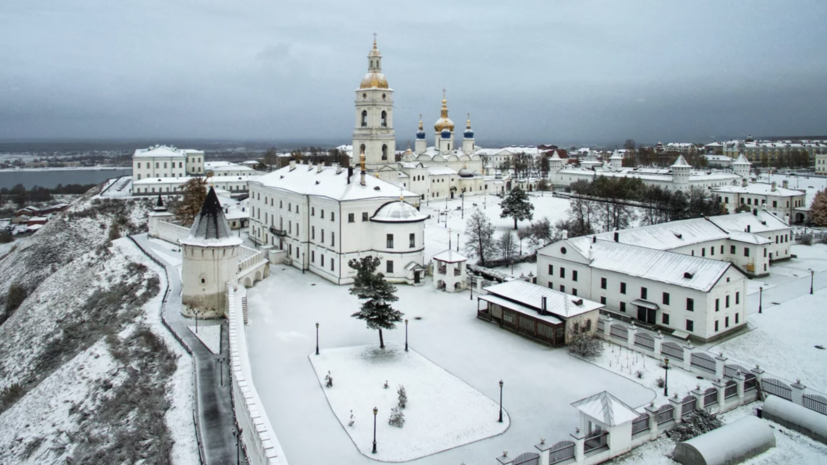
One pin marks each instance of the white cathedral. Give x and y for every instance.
(438, 172)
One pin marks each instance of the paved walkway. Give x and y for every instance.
(216, 422)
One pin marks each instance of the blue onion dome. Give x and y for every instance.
(420, 134)
(468, 134)
(445, 134)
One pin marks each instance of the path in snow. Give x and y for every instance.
(209, 335)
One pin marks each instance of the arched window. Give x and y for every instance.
(364, 118)
(384, 151)
(384, 119)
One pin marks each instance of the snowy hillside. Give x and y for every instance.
(87, 373)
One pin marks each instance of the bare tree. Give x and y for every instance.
(507, 247)
(479, 237)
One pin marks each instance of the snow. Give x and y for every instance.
(209, 335)
(307, 180)
(540, 383)
(442, 411)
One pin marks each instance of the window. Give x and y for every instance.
(384, 119)
(690, 304)
(736, 318)
(623, 307)
(562, 288)
(574, 275)
(726, 322)
(322, 235)
(351, 218)
(622, 288)
(644, 293)
(290, 207)
(412, 240)
(732, 249)
(281, 204)
(746, 251)
(322, 259)
(551, 270)
(312, 232)
(603, 300)
(562, 272)
(332, 216)
(312, 211)
(573, 291)
(331, 264)
(364, 216)
(364, 120)
(717, 305)
(737, 298)
(321, 212)
(389, 241)
(703, 252)
(665, 298)
(765, 252)
(313, 256)
(716, 326)
(690, 325)
(603, 283)
(332, 239)
(550, 285)
(712, 251)
(722, 250)
(389, 266)
(665, 318)
(726, 302)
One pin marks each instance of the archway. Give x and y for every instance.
(247, 282)
(384, 151)
(364, 118)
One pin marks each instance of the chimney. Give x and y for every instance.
(338, 168)
(617, 236)
(744, 182)
(319, 169)
(785, 184)
(349, 173)
(292, 165)
(543, 306)
(310, 166)
(749, 229)
(774, 184)
(594, 239)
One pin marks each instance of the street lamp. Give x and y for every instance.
(317, 338)
(457, 242)
(406, 334)
(666, 381)
(220, 361)
(196, 320)
(501, 402)
(812, 275)
(760, 298)
(375, 411)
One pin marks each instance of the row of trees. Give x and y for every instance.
(22, 196)
(612, 203)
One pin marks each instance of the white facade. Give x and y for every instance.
(780, 201)
(162, 161)
(323, 218)
(698, 296)
(168, 186)
(225, 168)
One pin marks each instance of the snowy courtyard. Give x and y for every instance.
(540, 383)
(441, 412)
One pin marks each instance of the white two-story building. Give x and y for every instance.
(162, 161)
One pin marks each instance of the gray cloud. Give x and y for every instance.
(533, 71)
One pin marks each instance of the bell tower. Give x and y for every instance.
(373, 133)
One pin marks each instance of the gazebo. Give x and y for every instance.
(450, 271)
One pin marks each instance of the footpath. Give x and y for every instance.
(214, 419)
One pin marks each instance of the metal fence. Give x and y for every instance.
(527, 458)
(687, 406)
(596, 442)
(640, 424)
(815, 402)
(672, 350)
(750, 382)
(619, 331)
(561, 451)
(731, 389)
(730, 370)
(710, 397)
(645, 340)
(777, 387)
(665, 414)
(702, 361)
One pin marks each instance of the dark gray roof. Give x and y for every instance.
(210, 222)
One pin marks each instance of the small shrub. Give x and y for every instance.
(806, 239)
(586, 346)
(114, 232)
(403, 396)
(397, 418)
(17, 294)
(5, 237)
(639, 374)
(696, 424)
(10, 395)
(661, 382)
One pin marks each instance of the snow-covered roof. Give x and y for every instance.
(757, 223)
(210, 228)
(163, 151)
(606, 409)
(732, 443)
(184, 179)
(449, 256)
(307, 180)
(741, 160)
(656, 265)
(668, 236)
(796, 414)
(557, 303)
(505, 303)
(441, 170)
(398, 212)
(680, 161)
(759, 189)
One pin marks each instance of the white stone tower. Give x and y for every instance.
(680, 173)
(555, 163)
(616, 161)
(421, 145)
(373, 134)
(741, 166)
(210, 261)
(468, 146)
(444, 129)
(158, 215)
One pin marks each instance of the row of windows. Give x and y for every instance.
(321, 257)
(411, 241)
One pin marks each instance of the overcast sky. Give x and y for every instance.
(528, 72)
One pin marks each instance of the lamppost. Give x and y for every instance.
(406, 334)
(501, 402)
(812, 275)
(462, 208)
(197, 312)
(457, 242)
(220, 361)
(666, 381)
(760, 298)
(375, 411)
(317, 338)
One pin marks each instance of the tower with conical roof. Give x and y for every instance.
(373, 133)
(210, 261)
(741, 166)
(468, 146)
(680, 173)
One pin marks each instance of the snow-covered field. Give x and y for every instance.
(442, 411)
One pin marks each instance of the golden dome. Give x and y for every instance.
(444, 122)
(374, 80)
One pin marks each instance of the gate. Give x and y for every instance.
(561, 451)
(815, 402)
(528, 458)
(645, 340)
(687, 406)
(703, 361)
(640, 424)
(776, 387)
(672, 350)
(710, 397)
(619, 331)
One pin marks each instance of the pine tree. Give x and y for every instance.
(819, 208)
(195, 191)
(516, 205)
(479, 237)
(378, 293)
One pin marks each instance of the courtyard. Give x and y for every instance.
(539, 383)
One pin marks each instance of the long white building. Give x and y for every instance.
(163, 161)
(325, 216)
(689, 296)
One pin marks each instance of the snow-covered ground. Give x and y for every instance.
(209, 335)
(540, 383)
(442, 411)
(628, 363)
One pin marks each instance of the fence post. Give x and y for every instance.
(630, 336)
(687, 357)
(607, 328)
(504, 459)
(652, 411)
(798, 392)
(739, 378)
(544, 449)
(677, 408)
(658, 346)
(721, 387)
(579, 447)
(698, 394)
(720, 361)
